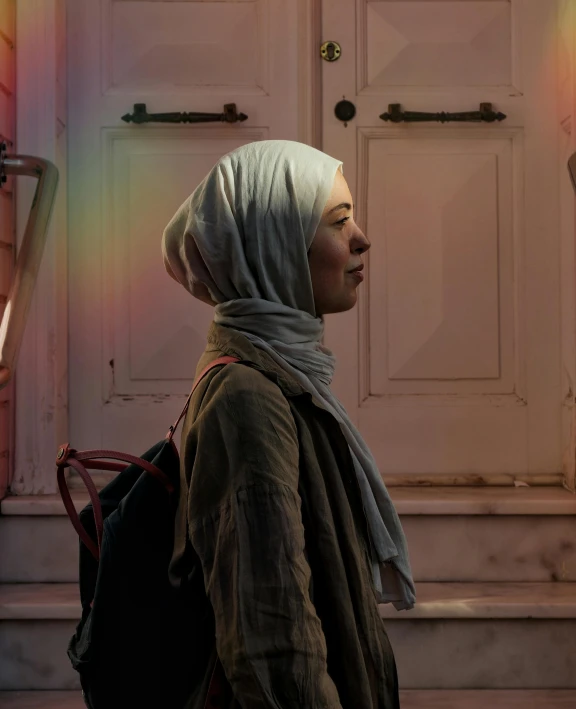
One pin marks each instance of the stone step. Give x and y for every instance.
(409, 699)
(522, 534)
(41, 700)
(459, 636)
(448, 601)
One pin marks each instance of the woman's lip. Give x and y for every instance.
(359, 275)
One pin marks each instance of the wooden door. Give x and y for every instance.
(135, 335)
(451, 363)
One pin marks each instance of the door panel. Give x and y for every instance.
(444, 336)
(434, 43)
(187, 46)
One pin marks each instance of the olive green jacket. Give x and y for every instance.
(270, 504)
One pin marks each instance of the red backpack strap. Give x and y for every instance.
(221, 360)
(63, 461)
(69, 457)
(81, 460)
(215, 688)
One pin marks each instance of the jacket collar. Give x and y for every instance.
(227, 341)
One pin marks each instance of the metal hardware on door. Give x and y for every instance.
(3, 148)
(330, 51)
(140, 115)
(3, 177)
(344, 111)
(485, 114)
(572, 170)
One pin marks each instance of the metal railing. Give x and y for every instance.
(29, 255)
(572, 170)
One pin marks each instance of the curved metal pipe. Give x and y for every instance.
(29, 256)
(572, 170)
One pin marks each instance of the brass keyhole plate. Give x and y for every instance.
(330, 51)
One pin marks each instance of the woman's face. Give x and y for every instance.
(336, 252)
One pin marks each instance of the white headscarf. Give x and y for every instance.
(241, 240)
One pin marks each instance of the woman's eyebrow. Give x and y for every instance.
(345, 205)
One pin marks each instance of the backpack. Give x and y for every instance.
(134, 645)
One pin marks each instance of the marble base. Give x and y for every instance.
(491, 548)
(484, 654)
(454, 534)
(443, 601)
(38, 549)
(33, 655)
(41, 700)
(505, 500)
(459, 636)
(512, 548)
(488, 600)
(481, 699)
(408, 500)
(409, 699)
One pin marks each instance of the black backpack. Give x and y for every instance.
(133, 646)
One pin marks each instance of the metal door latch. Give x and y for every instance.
(485, 114)
(140, 115)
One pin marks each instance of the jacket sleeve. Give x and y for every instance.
(245, 524)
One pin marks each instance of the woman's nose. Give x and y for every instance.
(361, 243)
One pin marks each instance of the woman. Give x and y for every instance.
(281, 499)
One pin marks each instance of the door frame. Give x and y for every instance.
(566, 117)
(41, 379)
(41, 385)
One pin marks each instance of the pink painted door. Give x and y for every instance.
(452, 363)
(135, 335)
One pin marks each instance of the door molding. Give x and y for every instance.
(41, 378)
(309, 73)
(567, 146)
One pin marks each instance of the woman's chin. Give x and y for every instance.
(340, 305)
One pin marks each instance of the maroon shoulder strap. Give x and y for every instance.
(81, 460)
(213, 696)
(221, 360)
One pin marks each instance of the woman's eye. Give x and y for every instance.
(343, 221)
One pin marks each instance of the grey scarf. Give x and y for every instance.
(241, 241)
